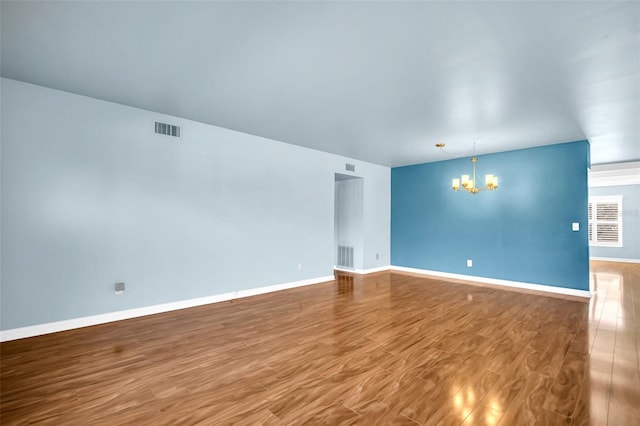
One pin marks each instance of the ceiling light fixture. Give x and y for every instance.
(469, 182)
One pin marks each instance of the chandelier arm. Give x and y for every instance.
(456, 156)
(474, 160)
(484, 188)
(472, 185)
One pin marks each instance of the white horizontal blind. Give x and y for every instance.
(605, 221)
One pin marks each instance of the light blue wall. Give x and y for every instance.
(91, 196)
(630, 222)
(521, 232)
(377, 211)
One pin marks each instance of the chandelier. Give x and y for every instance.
(469, 182)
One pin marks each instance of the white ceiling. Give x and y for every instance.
(376, 81)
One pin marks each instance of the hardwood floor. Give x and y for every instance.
(381, 349)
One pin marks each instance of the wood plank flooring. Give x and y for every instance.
(382, 349)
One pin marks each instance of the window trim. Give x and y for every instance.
(604, 199)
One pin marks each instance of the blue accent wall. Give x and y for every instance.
(520, 232)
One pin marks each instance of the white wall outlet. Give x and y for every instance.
(299, 266)
(469, 263)
(119, 287)
(575, 226)
(377, 256)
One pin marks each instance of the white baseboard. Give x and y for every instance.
(615, 259)
(362, 271)
(53, 327)
(372, 270)
(482, 280)
(495, 281)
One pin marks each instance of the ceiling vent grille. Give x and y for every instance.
(350, 167)
(167, 129)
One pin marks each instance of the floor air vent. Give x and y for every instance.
(345, 257)
(167, 129)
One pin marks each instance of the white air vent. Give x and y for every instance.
(345, 257)
(167, 129)
(350, 167)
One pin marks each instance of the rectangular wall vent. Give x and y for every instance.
(167, 129)
(350, 167)
(345, 256)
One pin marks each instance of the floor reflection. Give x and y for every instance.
(575, 362)
(607, 293)
(611, 389)
(344, 283)
(377, 349)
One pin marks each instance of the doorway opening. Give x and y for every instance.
(348, 222)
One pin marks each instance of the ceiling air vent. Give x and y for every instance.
(350, 167)
(167, 129)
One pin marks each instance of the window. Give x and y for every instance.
(605, 221)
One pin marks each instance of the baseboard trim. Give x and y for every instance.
(372, 270)
(615, 259)
(470, 279)
(362, 271)
(54, 327)
(538, 288)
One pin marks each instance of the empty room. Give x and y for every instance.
(312, 212)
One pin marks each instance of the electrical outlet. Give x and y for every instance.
(119, 288)
(575, 226)
(377, 256)
(469, 263)
(299, 266)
